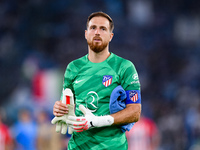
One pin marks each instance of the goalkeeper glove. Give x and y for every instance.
(60, 122)
(80, 124)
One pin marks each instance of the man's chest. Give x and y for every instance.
(94, 86)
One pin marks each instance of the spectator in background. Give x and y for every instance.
(6, 142)
(47, 138)
(144, 135)
(25, 131)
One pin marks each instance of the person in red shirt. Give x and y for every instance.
(144, 135)
(5, 137)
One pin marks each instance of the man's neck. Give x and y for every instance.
(98, 57)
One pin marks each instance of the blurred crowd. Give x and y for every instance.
(38, 38)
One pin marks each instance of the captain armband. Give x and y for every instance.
(133, 96)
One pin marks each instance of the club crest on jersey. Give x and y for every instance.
(133, 95)
(107, 80)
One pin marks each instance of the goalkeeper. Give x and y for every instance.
(92, 78)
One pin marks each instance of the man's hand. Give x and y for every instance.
(80, 124)
(62, 110)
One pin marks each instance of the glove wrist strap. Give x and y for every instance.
(103, 121)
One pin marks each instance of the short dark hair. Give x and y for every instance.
(101, 14)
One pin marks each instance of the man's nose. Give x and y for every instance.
(97, 31)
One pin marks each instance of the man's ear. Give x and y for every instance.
(86, 34)
(111, 36)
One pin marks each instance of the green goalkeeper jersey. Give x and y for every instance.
(92, 85)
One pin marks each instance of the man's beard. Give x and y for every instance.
(94, 46)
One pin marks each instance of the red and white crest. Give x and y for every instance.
(107, 80)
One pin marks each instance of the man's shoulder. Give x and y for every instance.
(120, 60)
(79, 62)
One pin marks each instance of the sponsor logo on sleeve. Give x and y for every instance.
(135, 78)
